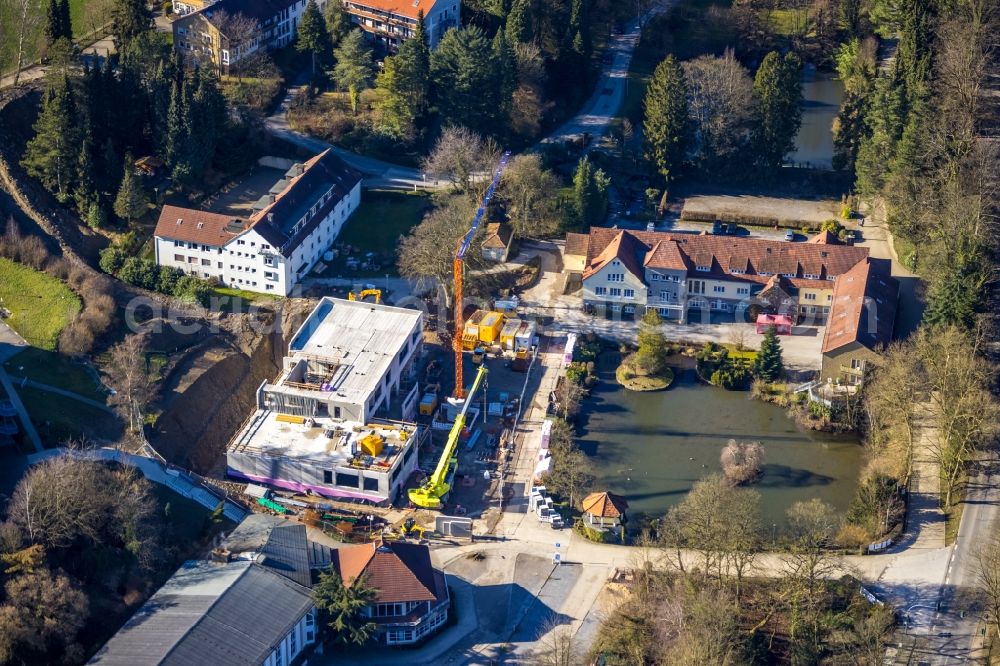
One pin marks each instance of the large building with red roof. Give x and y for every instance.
(274, 246)
(393, 21)
(705, 278)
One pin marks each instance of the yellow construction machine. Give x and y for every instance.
(437, 485)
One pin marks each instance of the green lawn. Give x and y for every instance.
(382, 218)
(54, 369)
(246, 298)
(58, 418)
(40, 305)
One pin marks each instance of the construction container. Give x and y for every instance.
(428, 403)
(470, 334)
(372, 444)
(508, 332)
(490, 327)
(290, 418)
(525, 337)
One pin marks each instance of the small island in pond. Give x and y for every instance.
(647, 369)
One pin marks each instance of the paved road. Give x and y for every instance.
(379, 174)
(596, 115)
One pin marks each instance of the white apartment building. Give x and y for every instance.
(279, 243)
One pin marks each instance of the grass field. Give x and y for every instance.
(58, 418)
(40, 305)
(54, 369)
(382, 218)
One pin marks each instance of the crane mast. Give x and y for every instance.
(458, 267)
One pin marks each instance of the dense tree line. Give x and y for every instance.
(501, 75)
(709, 116)
(146, 103)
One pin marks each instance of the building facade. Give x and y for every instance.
(690, 278)
(277, 244)
(391, 22)
(337, 420)
(223, 32)
(413, 600)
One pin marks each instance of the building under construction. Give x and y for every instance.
(336, 420)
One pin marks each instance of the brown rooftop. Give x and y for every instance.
(198, 226)
(863, 308)
(399, 571)
(605, 505)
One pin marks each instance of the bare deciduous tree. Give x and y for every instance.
(241, 37)
(43, 614)
(556, 646)
(741, 461)
(529, 192)
(26, 18)
(463, 158)
(428, 250)
(986, 567)
(128, 376)
(720, 94)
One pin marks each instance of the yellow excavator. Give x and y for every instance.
(429, 495)
(365, 293)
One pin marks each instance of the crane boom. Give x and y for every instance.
(458, 266)
(429, 495)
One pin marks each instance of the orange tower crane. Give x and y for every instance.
(458, 267)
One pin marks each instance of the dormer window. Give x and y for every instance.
(810, 276)
(703, 269)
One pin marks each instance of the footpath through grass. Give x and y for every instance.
(40, 305)
(54, 369)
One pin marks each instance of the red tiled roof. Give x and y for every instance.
(665, 254)
(863, 308)
(407, 8)
(605, 505)
(824, 238)
(197, 226)
(626, 248)
(727, 253)
(399, 571)
(576, 245)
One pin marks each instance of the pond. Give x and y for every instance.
(822, 95)
(652, 447)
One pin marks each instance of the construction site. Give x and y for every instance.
(374, 419)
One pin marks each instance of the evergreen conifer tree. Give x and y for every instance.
(590, 193)
(130, 18)
(313, 37)
(85, 192)
(768, 365)
(53, 23)
(65, 22)
(131, 202)
(779, 107)
(518, 26)
(51, 156)
(667, 126)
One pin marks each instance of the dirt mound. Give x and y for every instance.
(211, 391)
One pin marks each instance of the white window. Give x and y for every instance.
(703, 269)
(616, 277)
(179, 257)
(600, 291)
(809, 297)
(629, 309)
(737, 271)
(718, 289)
(664, 295)
(630, 293)
(742, 291)
(810, 276)
(615, 291)
(829, 297)
(178, 243)
(655, 277)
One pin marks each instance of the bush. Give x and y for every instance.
(112, 259)
(591, 534)
(732, 376)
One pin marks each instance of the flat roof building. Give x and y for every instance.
(336, 420)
